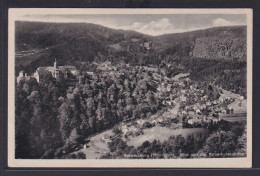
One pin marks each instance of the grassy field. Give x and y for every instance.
(97, 146)
(162, 133)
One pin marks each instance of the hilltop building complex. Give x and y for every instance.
(55, 71)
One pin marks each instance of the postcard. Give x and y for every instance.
(138, 88)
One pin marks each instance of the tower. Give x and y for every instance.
(37, 76)
(55, 64)
(55, 72)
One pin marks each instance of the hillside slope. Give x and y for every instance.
(214, 43)
(39, 43)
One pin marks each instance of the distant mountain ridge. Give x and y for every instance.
(67, 42)
(38, 44)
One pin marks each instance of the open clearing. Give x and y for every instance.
(162, 133)
(97, 146)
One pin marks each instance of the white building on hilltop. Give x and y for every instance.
(42, 71)
(55, 71)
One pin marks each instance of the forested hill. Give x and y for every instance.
(214, 43)
(41, 35)
(38, 44)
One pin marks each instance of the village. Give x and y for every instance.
(185, 105)
(183, 100)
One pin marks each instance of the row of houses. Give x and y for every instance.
(199, 120)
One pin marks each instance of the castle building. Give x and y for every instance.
(55, 71)
(42, 71)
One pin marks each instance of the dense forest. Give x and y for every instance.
(56, 115)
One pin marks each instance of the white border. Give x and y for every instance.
(116, 163)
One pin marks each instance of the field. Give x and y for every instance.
(162, 133)
(97, 146)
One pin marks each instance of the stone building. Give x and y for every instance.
(55, 71)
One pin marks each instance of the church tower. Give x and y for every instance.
(55, 64)
(56, 72)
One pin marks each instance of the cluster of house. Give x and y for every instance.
(55, 71)
(212, 108)
(175, 93)
(194, 99)
(198, 120)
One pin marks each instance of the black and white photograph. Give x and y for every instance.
(130, 88)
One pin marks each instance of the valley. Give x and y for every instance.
(85, 91)
(165, 123)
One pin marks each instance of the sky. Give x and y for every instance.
(151, 24)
